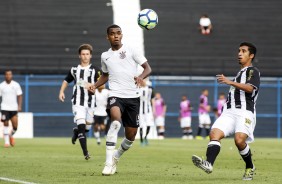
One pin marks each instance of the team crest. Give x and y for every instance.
(248, 121)
(112, 101)
(122, 55)
(250, 75)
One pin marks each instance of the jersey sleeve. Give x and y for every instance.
(69, 78)
(138, 56)
(19, 90)
(253, 78)
(104, 66)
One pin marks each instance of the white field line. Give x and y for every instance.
(15, 181)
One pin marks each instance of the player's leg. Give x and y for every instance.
(207, 125)
(14, 120)
(111, 139)
(141, 135)
(5, 119)
(200, 127)
(243, 135)
(96, 129)
(147, 132)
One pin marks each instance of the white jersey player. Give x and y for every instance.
(11, 104)
(119, 66)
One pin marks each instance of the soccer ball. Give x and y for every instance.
(147, 19)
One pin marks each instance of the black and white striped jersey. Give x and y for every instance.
(145, 100)
(79, 74)
(240, 99)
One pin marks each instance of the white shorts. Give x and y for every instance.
(160, 121)
(146, 120)
(185, 122)
(81, 112)
(232, 121)
(204, 119)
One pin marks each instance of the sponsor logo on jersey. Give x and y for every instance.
(248, 121)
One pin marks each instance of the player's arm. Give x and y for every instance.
(146, 72)
(101, 81)
(69, 78)
(248, 88)
(20, 102)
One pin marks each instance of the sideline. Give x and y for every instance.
(15, 181)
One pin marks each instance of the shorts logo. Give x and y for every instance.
(112, 101)
(122, 55)
(248, 121)
(137, 119)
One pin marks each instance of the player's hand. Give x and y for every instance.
(222, 79)
(62, 97)
(139, 81)
(90, 87)
(19, 109)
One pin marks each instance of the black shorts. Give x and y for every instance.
(100, 120)
(129, 108)
(7, 115)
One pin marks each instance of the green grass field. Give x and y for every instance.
(56, 160)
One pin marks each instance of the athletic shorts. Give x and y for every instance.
(232, 121)
(7, 115)
(129, 108)
(204, 119)
(146, 119)
(185, 122)
(81, 112)
(160, 121)
(101, 120)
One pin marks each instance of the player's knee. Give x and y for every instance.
(240, 143)
(113, 131)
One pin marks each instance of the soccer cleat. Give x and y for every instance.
(249, 173)
(6, 145)
(12, 141)
(107, 171)
(75, 134)
(146, 142)
(202, 164)
(87, 156)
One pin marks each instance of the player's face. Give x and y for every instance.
(115, 36)
(8, 76)
(184, 98)
(85, 56)
(244, 56)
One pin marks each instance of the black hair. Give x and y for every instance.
(112, 26)
(252, 48)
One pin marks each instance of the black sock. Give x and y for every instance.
(82, 138)
(14, 130)
(141, 135)
(212, 151)
(147, 131)
(208, 131)
(248, 159)
(199, 131)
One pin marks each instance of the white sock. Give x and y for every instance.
(97, 135)
(109, 154)
(6, 135)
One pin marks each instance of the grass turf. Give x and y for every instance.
(56, 160)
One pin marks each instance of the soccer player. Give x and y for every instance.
(82, 100)
(159, 111)
(239, 113)
(100, 113)
(185, 118)
(146, 113)
(119, 67)
(204, 117)
(11, 104)
(220, 103)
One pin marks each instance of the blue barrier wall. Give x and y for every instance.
(53, 118)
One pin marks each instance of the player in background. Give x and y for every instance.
(100, 113)
(185, 118)
(11, 104)
(146, 113)
(239, 113)
(82, 100)
(159, 111)
(204, 117)
(119, 66)
(220, 103)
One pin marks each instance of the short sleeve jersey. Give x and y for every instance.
(121, 65)
(9, 93)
